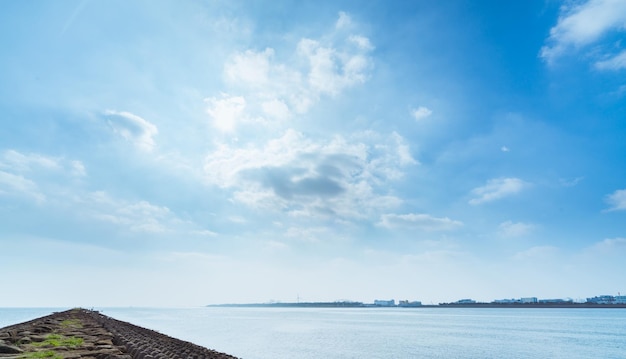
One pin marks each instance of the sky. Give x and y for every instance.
(184, 153)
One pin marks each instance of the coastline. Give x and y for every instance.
(81, 333)
(441, 305)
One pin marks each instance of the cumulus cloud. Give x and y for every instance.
(226, 111)
(421, 113)
(133, 128)
(497, 188)
(617, 200)
(273, 90)
(332, 70)
(583, 23)
(276, 109)
(418, 221)
(250, 67)
(297, 174)
(511, 229)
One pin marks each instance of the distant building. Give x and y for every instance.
(555, 301)
(527, 300)
(506, 301)
(607, 299)
(385, 303)
(406, 303)
(466, 301)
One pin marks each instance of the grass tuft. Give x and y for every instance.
(49, 354)
(74, 323)
(56, 340)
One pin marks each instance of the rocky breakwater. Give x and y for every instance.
(86, 334)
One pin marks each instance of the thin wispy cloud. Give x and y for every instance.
(537, 253)
(12, 184)
(581, 24)
(614, 63)
(616, 200)
(421, 113)
(133, 128)
(510, 229)
(496, 189)
(36, 176)
(608, 248)
(419, 221)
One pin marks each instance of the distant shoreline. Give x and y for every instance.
(442, 305)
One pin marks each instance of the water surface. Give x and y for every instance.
(264, 333)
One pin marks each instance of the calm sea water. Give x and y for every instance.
(263, 333)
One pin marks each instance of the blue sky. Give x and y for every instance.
(185, 153)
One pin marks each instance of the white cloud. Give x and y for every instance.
(78, 169)
(27, 162)
(268, 88)
(610, 245)
(515, 229)
(226, 112)
(418, 221)
(276, 109)
(133, 128)
(570, 182)
(203, 233)
(304, 177)
(308, 234)
(504, 149)
(11, 184)
(250, 67)
(343, 21)
(616, 62)
(583, 23)
(29, 174)
(139, 216)
(362, 42)
(331, 70)
(617, 200)
(421, 113)
(497, 188)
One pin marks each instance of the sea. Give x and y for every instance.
(312, 333)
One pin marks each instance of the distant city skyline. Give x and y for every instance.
(168, 153)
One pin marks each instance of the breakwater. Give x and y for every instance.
(81, 333)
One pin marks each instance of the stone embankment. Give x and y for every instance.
(86, 334)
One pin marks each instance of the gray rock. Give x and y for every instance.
(9, 349)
